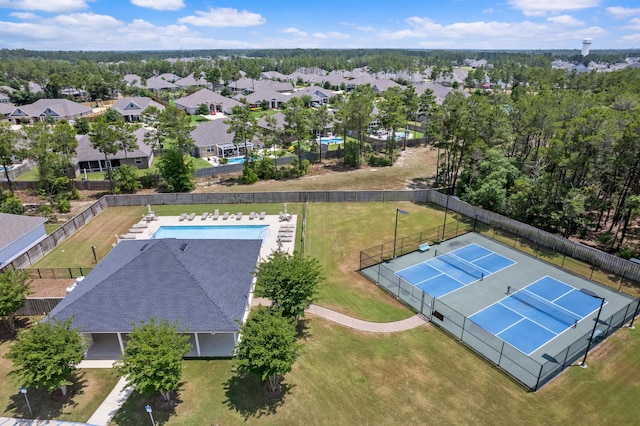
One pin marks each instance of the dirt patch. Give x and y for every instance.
(50, 287)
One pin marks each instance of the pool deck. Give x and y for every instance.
(283, 230)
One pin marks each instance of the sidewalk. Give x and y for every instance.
(6, 421)
(111, 404)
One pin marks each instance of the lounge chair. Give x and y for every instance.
(182, 217)
(225, 216)
(262, 215)
(136, 230)
(216, 214)
(286, 239)
(191, 216)
(287, 225)
(128, 237)
(204, 215)
(252, 215)
(239, 216)
(140, 225)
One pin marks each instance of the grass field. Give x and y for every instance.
(344, 377)
(91, 387)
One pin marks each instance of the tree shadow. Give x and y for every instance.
(6, 335)
(421, 183)
(133, 411)
(46, 405)
(302, 329)
(245, 394)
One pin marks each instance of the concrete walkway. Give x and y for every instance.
(118, 396)
(356, 324)
(111, 404)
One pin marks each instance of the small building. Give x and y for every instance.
(212, 139)
(131, 109)
(90, 159)
(214, 101)
(45, 109)
(204, 285)
(18, 234)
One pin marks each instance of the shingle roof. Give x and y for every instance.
(190, 80)
(135, 106)
(211, 133)
(60, 107)
(85, 152)
(204, 287)
(14, 226)
(205, 96)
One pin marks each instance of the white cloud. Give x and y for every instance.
(490, 35)
(542, 7)
(45, 5)
(159, 4)
(489, 10)
(295, 32)
(24, 15)
(633, 24)
(223, 17)
(339, 36)
(623, 12)
(107, 33)
(565, 20)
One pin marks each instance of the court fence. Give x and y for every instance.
(521, 367)
(524, 369)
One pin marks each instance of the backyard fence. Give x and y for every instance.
(38, 306)
(56, 273)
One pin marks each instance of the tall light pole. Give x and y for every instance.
(395, 232)
(148, 408)
(24, 392)
(588, 292)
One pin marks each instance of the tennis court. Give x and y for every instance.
(529, 318)
(448, 272)
(543, 324)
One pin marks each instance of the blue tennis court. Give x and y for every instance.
(450, 271)
(529, 318)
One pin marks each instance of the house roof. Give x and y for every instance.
(51, 107)
(317, 93)
(204, 286)
(190, 80)
(264, 95)
(85, 152)
(157, 83)
(7, 108)
(14, 226)
(205, 96)
(133, 80)
(212, 132)
(279, 116)
(135, 106)
(439, 91)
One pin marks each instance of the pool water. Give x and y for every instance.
(327, 141)
(235, 160)
(231, 232)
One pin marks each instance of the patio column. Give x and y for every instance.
(197, 344)
(121, 344)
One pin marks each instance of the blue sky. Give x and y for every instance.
(209, 24)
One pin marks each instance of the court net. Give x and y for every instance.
(462, 265)
(546, 307)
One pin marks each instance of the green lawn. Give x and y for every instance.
(421, 376)
(91, 388)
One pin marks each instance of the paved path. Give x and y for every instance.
(357, 324)
(111, 404)
(8, 421)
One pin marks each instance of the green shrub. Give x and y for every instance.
(148, 180)
(63, 205)
(12, 204)
(249, 176)
(375, 160)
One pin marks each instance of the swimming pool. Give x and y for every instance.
(327, 141)
(231, 232)
(235, 160)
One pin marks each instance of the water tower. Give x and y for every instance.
(586, 45)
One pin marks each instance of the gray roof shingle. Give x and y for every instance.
(14, 226)
(204, 287)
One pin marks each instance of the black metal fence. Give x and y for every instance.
(57, 273)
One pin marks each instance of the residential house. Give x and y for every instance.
(319, 96)
(439, 91)
(273, 99)
(44, 109)
(90, 159)
(131, 109)
(18, 234)
(134, 80)
(212, 139)
(6, 109)
(204, 285)
(4, 98)
(215, 102)
(191, 81)
(381, 86)
(158, 84)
